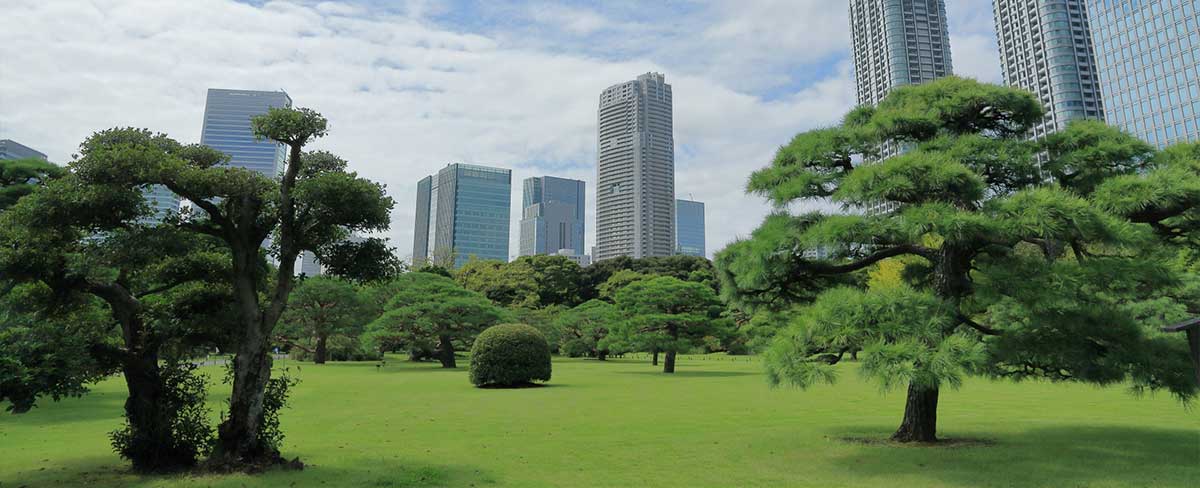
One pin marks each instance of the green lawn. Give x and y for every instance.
(621, 423)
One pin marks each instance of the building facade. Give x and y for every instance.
(310, 265)
(1046, 48)
(689, 228)
(1148, 59)
(635, 170)
(227, 129)
(897, 42)
(462, 211)
(552, 216)
(10, 149)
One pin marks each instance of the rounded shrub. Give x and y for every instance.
(510, 355)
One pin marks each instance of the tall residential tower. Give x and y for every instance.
(1148, 59)
(635, 170)
(552, 216)
(462, 211)
(1045, 47)
(897, 42)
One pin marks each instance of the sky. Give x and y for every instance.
(409, 86)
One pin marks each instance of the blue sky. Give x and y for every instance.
(410, 86)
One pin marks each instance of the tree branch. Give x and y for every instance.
(983, 329)
(822, 268)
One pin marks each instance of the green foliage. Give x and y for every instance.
(966, 211)
(585, 327)
(510, 355)
(528, 281)
(275, 398)
(664, 314)
(370, 260)
(323, 308)
(687, 268)
(182, 404)
(619, 280)
(19, 177)
(431, 312)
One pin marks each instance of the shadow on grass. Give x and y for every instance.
(102, 472)
(91, 407)
(692, 374)
(1048, 456)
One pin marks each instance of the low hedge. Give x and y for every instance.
(510, 355)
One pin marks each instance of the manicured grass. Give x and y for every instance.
(621, 423)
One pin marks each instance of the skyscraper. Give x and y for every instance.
(10, 149)
(1045, 48)
(689, 228)
(897, 42)
(552, 216)
(635, 170)
(1148, 58)
(227, 129)
(462, 211)
(310, 265)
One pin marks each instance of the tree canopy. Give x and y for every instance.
(664, 314)
(967, 202)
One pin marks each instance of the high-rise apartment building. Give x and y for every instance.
(635, 170)
(462, 211)
(552, 216)
(10, 149)
(1148, 59)
(227, 129)
(1045, 47)
(310, 265)
(689, 228)
(897, 42)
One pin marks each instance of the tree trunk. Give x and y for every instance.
(446, 352)
(654, 362)
(322, 349)
(920, 416)
(151, 445)
(602, 355)
(669, 364)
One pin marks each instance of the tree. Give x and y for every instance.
(322, 307)
(313, 206)
(608, 290)
(665, 315)
(585, 327)
(432, 312)
(971, 213)
(19, 177)
(687, 268)
(85, 239)
(506, 284)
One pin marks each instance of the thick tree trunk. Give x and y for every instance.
(446, 352)
(322, 349)
(669, 363)
(920, 416)
(152, 447)
(602, 355)
(654, 362)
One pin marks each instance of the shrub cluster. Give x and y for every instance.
(510, 355)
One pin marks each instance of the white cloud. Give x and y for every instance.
(406, 95)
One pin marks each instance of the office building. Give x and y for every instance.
(310, 265)
(580, 259)
(10, 149)
(689, 228)
(227, 115)
(897, 42)
(1045, 47)
(1148, 59)
(462, 211)
(635, 170)
(552, 216)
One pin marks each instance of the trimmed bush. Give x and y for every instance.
(510, 355)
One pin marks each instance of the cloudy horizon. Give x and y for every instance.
(409, 87)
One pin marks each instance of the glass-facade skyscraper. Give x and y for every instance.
(1148, 57)
(227, 129)
(552, 216)
(689, 228)
(1046, 48)
(10, 149)
(635, 170)
(897, 42)
(462, 211)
